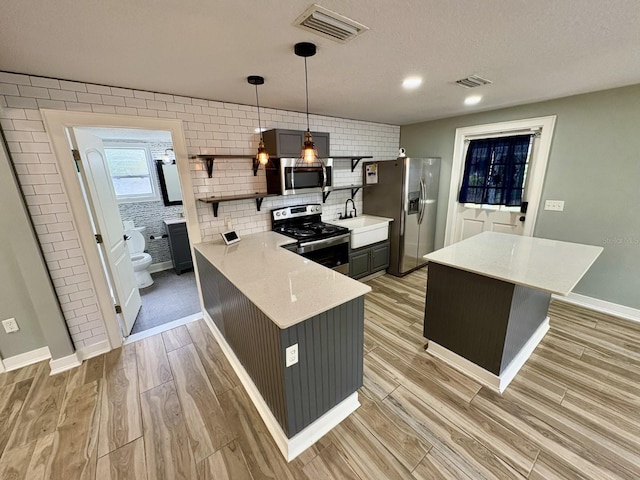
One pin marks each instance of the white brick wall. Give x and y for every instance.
(210, 127)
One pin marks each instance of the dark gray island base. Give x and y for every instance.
(299, 400)
(484, 320)
(488, 297)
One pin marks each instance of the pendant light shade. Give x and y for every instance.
(262, 157)
(309, 153)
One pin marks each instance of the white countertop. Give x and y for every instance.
(549, 265)
(172, 221)
(287, 287)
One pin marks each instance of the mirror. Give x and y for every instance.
(169, 183)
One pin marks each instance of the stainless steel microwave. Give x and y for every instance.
(285, 178)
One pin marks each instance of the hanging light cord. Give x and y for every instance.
(258, 107)
(306, 90)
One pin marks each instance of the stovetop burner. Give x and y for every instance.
(304, 222)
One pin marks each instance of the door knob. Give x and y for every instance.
(522, 218)
(126, 237)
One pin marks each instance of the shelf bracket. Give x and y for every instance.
(208, 160)
(325, 195)
(215, 208)
(354, 162)
(259, 202)
(354, 192)
(256, 165)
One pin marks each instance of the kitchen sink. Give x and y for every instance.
(365, 229)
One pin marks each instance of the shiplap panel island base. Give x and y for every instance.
(260, 300)
(488, 296)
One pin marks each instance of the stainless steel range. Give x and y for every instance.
(321, 242)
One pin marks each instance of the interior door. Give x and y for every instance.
(104, 209)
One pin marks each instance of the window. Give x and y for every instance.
(131, 172)
(495, 171)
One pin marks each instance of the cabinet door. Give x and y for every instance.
(321, 141)
(283, 143)
(359, 263)
(379, 257)
(179, 247)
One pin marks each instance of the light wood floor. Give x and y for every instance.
(170, 407)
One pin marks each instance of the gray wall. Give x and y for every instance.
(26, 293)
(594, 166)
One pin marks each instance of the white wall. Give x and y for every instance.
(210, 127)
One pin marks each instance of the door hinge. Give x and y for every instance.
(118, 309)
(76, 158)
(98, 238)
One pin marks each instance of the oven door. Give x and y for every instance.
(330, 252)
(300, 179)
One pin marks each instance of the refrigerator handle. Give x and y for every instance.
(421, 202)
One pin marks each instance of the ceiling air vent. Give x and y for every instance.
(473, 81)
(329, 24)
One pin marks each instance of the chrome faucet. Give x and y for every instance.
(355, 213)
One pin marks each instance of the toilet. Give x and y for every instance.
(141, 261)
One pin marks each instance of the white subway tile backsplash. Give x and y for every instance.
(89, 98)
(209, 126)
(98, 89)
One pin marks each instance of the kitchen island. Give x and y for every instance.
(292, 330)
(488, 297)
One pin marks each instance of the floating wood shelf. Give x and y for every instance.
(215, 201)
(354, 190)
(208, 159)
(355, 159)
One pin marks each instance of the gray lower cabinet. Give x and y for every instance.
(367, 260)
(288, 143)
(179, 246)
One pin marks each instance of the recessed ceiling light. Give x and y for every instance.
(472, 100)
(411, 82)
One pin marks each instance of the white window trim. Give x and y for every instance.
(545, 125)
(155, 197)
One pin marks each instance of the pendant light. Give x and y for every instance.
(262, 157)
(309, 152)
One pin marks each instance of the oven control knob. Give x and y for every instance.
(277, 214)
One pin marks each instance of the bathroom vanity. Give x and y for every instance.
(178, 237)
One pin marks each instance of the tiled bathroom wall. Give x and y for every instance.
(213, 127)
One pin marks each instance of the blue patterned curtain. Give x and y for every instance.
(494, 171)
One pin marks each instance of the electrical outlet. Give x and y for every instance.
(554, 205)
(10, 325)
(291, 354)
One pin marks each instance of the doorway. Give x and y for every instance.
(59, 124)
(143, 220)
(465, 220)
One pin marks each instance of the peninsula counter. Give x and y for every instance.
(488, 297)
(292, 330)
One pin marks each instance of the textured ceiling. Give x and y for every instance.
(531, 50)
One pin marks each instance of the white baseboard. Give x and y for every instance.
(27, 358)
(294, 446)
(160, 266)
(523, 355)
(603, 306)
(62, 364)
(90, 351)
(495, 382)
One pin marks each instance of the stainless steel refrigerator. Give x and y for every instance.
(405, 189)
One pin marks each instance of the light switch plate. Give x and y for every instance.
(554, 205)
(291, 354)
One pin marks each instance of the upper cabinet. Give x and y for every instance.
(288, 143)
